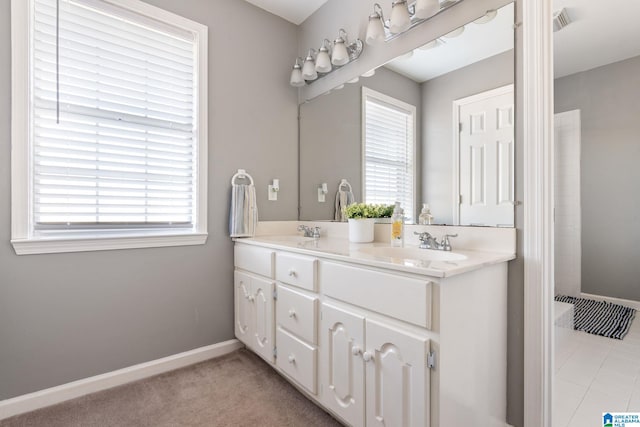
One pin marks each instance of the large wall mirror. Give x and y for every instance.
(433, 126)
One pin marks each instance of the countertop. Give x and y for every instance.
(342, 250)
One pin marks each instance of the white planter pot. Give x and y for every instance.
(361, 230)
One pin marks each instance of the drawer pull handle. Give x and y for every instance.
(355, 350)
(292, 358)
(367, 356)
(292, 272)
(292, 313)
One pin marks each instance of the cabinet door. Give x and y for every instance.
(243, 307)
(397, 380)
(263, 326)
(342, 367)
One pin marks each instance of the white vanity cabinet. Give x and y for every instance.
(253, 297)
(378, 345)
(373, 373)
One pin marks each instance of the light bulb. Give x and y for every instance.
(400, 19)
(430, 45)
(487, 17)
(296, 79)
(455, 33)
(426, 8)
(369, 73)
(340, 56)
(375, 29)
(309, 68)
(323, 61)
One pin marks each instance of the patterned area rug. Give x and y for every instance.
(600, 317)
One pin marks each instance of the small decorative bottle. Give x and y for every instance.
(425, 217)
(397, 226)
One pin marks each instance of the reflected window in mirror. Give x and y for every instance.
(389, 148)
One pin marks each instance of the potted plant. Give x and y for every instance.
(362, 217)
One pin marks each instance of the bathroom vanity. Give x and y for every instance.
(377, 336)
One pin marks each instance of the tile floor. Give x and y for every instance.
(593, 375)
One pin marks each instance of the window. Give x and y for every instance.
(389, 151)
(109, 126)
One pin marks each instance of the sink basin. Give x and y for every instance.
(413, 253)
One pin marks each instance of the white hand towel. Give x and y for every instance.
(243, 215)
(343, 199)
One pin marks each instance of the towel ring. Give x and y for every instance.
(345, 182)
(241, 174)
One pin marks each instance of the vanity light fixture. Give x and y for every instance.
(309, 68)
(328, 58)
(404, 16)
(400, 18)
(487, 17)
(323, 60)
(296, 74)
(455, 33)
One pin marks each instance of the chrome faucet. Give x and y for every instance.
(427, 241)
(310, 231)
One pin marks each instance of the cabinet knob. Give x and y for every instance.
(251, 298)
(292, 313)
(355, 350)
(367, 356)
(292, 272)
(292, 358)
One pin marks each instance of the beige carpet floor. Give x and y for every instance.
(238, 389)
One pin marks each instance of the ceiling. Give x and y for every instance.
(295, 11)
(601, 32)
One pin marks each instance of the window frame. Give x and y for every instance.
(23, 237)
(370, 93)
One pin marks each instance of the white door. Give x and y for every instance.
(486, 158)
(567, 215)
(341, 364)
(397, 377)
(263, 331)
(243, 307)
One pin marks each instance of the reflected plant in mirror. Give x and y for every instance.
(434, 126)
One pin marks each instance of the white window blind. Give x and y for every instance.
(114, 119)
(389, 151)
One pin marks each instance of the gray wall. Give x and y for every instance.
(609, 100)
(349, 14)
(437, 117)
(69, 316)
(331, 139)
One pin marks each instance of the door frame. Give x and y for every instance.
(535, 97)
(457, 103)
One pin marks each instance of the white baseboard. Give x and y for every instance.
(51, 396)
(624, 302)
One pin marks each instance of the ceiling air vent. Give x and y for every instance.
(560, 19)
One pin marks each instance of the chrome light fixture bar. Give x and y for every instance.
(404, 17)
(328, 58)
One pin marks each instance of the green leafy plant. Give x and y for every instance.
(368, 210)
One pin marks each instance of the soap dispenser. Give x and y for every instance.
(397, 226)
(425, 217)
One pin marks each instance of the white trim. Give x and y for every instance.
(52, 246)
(54, 395)
(620, 301)
(457, 103)
(22, 236)
(537, 105)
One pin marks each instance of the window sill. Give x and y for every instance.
(106, 243)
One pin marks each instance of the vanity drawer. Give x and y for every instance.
(297, 359)
(400, 297)
(296, 270)
(254, 259)
(297, 313)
